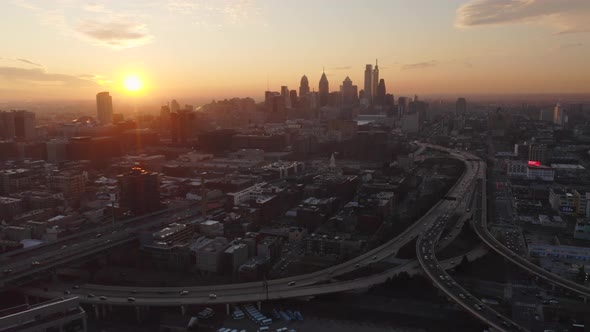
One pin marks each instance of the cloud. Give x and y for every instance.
(117, 33)
(420, 65)
(38, 75)
(115, 29)
(217, 13)
(29, 62)
(565, 16)
(570, 45)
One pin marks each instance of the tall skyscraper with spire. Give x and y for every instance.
(304, 87)
(368, 93)
(375, 81)
(324, 90)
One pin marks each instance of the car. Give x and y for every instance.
(461, 295)
(184, 292)
(357, 265)
(131, 299)
(63, 247)
(133, 292)
(76, 287)
(98, 235)
(103, 298)
(67, 292)
(35, 263)
(90, 296)
(291, 283)
(374, 257)
(7, 271)
(212, 296)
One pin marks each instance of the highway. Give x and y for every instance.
(426, 253)
(307, 284)
(40, 258)
(482, 231)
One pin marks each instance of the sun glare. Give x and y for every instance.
(133, 83)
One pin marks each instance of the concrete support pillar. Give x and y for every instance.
(96, 312)
(84, 323)
(553, 287)
(259, 304)
(183, 310)
(227, 309)
(138, 314)
(110, 308)
(104, 311)
(585, 299)
(27, 299)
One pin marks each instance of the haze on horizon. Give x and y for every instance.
(71, 49)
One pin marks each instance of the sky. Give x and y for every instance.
(212, 49)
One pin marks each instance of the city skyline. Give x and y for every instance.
(75, 49)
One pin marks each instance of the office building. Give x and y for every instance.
(7, 125)
(380, 93)
(9, 207)
(104, 108)
(368, 91)
(64, 314)
(72, 184)
(139, 191)
(538, 152)
(402, 106)
(210, 255)
(349, 92)
(303, 87)
(324, 90)
(174, 106)
(286, 96)
(461, 106)
(375, 80)
(558, 116)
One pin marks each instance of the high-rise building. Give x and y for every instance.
(304, 87)
(538, 152)
(558, 116)
(104, 108)
(375, 81)
(174, 106)
(7, 125)
(139, 191)
(324, 90)
(368, 91)
(380, 93)
(402, 106)
(23, 124)
(286, 96)
(165, 117)
(349, 92)
(461, 106)
(293, 97)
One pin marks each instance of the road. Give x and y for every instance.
(426, 253)
(24, 263)
(303, 285)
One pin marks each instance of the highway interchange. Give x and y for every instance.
(428, 230)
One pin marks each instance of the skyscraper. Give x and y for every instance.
(286, 96)
(293, 97)
(174, 106)
(139, 191)
(7, 125)
(558, 115)
(24, 124)
(304, 87)
(324, 90)
(380, 93)
(368, 91)
(375, 82)
(349, 92)
(104, 108)
(461, 106)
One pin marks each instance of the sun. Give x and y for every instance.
(133, 83)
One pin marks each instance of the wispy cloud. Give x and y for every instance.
(114, 29)
(341, 68)
(40, 76)
(420, 65)
(117, 33)
(29, 62)
(565, 16)
(569, 45)
(217, 13)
